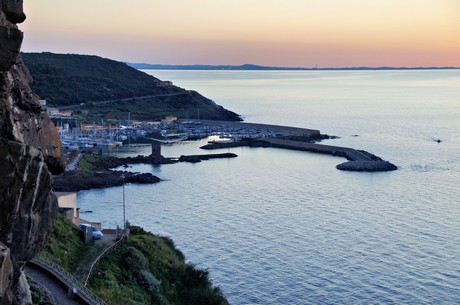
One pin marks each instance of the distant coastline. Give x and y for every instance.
(249, 67)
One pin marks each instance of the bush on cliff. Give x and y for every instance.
(148, 269)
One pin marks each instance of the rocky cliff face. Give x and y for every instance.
(30, 151)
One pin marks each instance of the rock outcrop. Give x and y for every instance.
(30, 151)
(367, 166)
(13, 10)
(75, 181)
(6, 275)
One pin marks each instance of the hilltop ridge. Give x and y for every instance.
(250, 67)
(110, 89)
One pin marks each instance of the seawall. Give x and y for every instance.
(273, 130)
(357, 160)
(349, 153)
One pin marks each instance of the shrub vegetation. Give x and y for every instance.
(108, 89)
(145, 269)
(65, 244)
(148, 269)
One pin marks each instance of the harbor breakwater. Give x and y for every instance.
(103, 174)
(303, 140)
(358, 160)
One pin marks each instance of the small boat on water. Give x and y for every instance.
(170, 138)
(221, 138)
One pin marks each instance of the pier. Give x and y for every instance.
(358, 160)
(286, 130)
(349, 153)
(240, 130)
(298, 139)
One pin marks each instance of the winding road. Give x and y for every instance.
(105, 102)
(58, 285)
(53, 286)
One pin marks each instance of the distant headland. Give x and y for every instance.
(100, 88)
(249, 67)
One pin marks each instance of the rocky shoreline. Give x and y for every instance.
(199, 158)
(375, 164)
(102, 176)
(74, 181)
(367, 166)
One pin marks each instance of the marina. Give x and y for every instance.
(222, 134)
(284, 226)
(89, 135)
(171, 131)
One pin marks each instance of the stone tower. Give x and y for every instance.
(156, 149)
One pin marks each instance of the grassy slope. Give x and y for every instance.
(68, 79)
(146, 269)
(64, 245)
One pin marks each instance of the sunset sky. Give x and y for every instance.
(295, 33)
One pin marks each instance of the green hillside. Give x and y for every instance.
(144, 269)
(109, 89)
(148, 269)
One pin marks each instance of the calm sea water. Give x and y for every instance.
(283, 227)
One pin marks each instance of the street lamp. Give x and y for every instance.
(124, 211)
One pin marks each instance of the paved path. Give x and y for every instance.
(351, 153)
(74, 164)
(126, 99)
(57, 289)
(58, 292)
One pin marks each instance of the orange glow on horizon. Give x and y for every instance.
(297, 33)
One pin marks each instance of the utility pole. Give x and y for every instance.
(124, 210)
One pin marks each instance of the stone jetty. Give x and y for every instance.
(358, 160)
(199, 158)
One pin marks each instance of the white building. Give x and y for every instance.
(68, 201)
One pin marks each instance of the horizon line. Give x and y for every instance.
(255, 66)
(260, 67)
